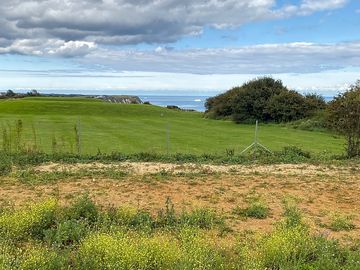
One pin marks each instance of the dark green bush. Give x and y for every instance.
(263, 99)
(83, 209)
(66, 233)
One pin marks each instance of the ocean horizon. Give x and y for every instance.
(196, 103)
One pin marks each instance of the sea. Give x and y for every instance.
(196, 103)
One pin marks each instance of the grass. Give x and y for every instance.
(92, 126)
(257, 207)
(339, 222)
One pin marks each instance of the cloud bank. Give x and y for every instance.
(45, 27)
(258, 59)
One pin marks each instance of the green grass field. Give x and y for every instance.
(143, 128)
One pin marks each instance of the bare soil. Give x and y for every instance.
(320, 190)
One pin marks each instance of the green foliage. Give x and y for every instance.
(317, 122)
(257, 208)
(292, 214)
(66, 233)
(202, 218)
(339, 222)
(28, 221)
(287, 106)
(344, 117)
(294, 154)
(83, 209)
(315, 102)
(263, 99)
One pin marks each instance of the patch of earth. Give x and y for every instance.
(318, 196)
(142, 168)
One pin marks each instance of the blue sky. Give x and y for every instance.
(169, 46)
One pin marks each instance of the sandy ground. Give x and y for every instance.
(320, 190)
(141, 168)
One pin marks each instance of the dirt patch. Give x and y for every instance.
(318, 195)
(142, 168)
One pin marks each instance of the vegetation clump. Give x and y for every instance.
(339, 222)
(257, 208)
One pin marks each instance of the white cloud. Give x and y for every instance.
(300, 57)
(136, 21)
(310, 6)
(43, 47)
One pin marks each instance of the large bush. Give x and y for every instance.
(344, 117)
(263, 99)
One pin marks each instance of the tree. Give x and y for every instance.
(315, 102)
(344, 117)
(247, 102)
(287, 106)
(10, 93)
(264, 99)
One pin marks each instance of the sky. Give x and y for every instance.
(172, 47)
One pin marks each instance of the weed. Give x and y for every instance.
(28, 221)
(292, 213)
(339, 222)
(83, 209)
(257, 208)
(68, 232)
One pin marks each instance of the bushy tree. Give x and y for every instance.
(287, 106)
(315, 102)
(344, 117)
(10, 93)
(264, 99)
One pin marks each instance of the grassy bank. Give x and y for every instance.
(59, 124)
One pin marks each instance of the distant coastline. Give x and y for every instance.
(187, 102)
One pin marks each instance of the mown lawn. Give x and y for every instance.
(142, 128)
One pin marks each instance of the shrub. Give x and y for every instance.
(66, 233)
(83, 208)
(28, 221)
